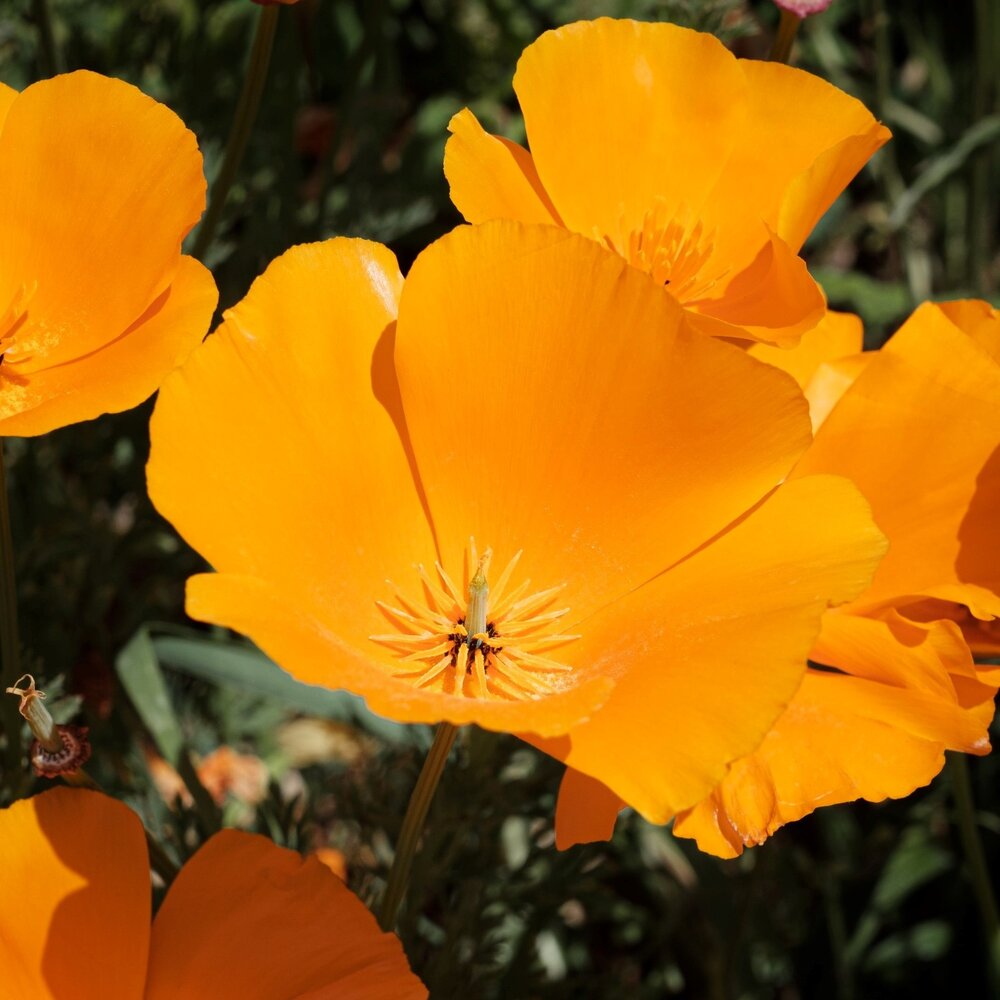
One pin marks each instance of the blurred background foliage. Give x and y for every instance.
(855, 901)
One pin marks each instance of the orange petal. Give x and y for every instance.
(774, 299)
(313, 653)
(101, 183)
(586, 810)
(979, 320)
(491, 177)
(836, 335)
(919, 432)
(709, 653)
(121, 374)
(615, 119)
(274, 457)
(74, 898)
(879, 733)
(831, 381)
(246, 918)
(929, 660)
(831, 745)
(558, 405)
(803, 141)
(272, 454)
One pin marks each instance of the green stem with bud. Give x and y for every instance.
(239, 133)
(788, 28)
(975, 859)
(10, 645)
(413, 823)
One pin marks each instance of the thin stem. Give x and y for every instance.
(413, 823)
(985, 99)
(788, 28)
(51, 63)
(239, 133)
(975, 859)
(10, 644)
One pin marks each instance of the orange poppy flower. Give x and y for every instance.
(341, 428)
(243, 918)
(918, 429)
(97, 304)
(704, 170)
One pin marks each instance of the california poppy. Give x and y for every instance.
(244, 918)
(893, 683)
(704, 170)
(540, 410)
(100, 185)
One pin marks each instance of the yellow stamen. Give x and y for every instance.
(482, 645)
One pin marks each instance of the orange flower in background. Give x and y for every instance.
(894, 684)
(625, 596)
(704, 170)
(100, 185)
(244, 917)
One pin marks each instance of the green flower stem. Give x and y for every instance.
(10, 646)
(51, 61)
(976, 860)
(413, 823)
(239, 133)
(788, 28)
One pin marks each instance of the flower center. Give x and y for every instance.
(671, 250)
(486, 642)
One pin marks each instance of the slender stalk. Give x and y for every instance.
(413, 824)
(51, 63)
(788, 28)
(985, 99)
(975, 859)
(239, 133)
(10, 645)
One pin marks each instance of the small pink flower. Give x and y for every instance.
(802, 8)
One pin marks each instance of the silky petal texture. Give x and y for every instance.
(620, 113)
(979, 320)
(603, 473)
(246, 918)
(307, 648)
(276, 455)
(624, 117)
(917, 694)
(101, 183)
(313, 502)
(919, 432)
(773, 299)
(836, 335)
(586, 810)
(700, 686)
(121, 374)
(74, 898)
(825, 361)
(832, 745)
(802, 141)
(491, 177)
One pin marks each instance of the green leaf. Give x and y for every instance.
(236, 664)
(139, 671)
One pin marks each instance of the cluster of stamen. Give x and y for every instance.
(481, 642)
(671, 249)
